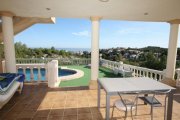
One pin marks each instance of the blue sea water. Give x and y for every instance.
(75, 49)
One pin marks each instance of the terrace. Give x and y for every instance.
(39, 100)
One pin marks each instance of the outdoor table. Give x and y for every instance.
(133, 84)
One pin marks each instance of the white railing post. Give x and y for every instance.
(3, 66)
(31, 72)
(178, 77)
(53, 80)
(39, 74)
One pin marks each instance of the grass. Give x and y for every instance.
(84, 81)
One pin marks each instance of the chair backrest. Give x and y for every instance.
(129, 98)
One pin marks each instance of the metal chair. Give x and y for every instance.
(126, 104)
(154, 102)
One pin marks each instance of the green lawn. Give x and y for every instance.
(84, 81)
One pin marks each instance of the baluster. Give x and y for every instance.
(178, 74)
(24, 70)
(39, 74)
(151, 75)
(135, 74)
(155, 76)
(144, 73)
(46, 74)
(147, 74)
(32, 75)
(140, 75)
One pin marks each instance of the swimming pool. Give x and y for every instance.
(61, 72)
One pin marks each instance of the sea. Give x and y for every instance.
(75, 49)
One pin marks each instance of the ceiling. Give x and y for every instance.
(133, 10)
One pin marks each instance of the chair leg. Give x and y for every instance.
(136, 107)
(112, 111)
(165, 112)
(125, 115)
(131, 114)
(151, 112)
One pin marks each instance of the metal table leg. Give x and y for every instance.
(170, 105)
(107, 106)
(99, 96)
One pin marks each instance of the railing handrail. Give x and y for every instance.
(62, 61)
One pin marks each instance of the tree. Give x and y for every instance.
(21, 50)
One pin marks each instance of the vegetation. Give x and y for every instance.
(22, 51)
(149, 57)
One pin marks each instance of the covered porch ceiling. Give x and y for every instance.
(132, 10)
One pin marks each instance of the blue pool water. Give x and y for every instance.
(61, 72)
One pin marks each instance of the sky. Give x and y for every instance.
(76, 33)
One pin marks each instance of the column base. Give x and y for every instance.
(93, 85)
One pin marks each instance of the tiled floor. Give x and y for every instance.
(38, 102)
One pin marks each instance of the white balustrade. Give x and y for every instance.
(32, 67)
(178, 77)
(61, 61)
(137, 71)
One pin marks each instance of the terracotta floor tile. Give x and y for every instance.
(71, 117)
(32, 107)
(43, 103)
(85, 116)
(27, 114)
(94, 110)
(24, 119)
(40, 118)
(58, 105)
(84, 110)
(71, 104)
(70, 111)
(97, 116)
(57, 112)
(52, 117)
(42, 113)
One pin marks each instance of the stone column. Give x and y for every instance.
(8, 39)
(94, 51)
(172, 51)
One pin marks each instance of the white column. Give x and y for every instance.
(172, 51)
(53, 80)
(8, 39)
(95, 48)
